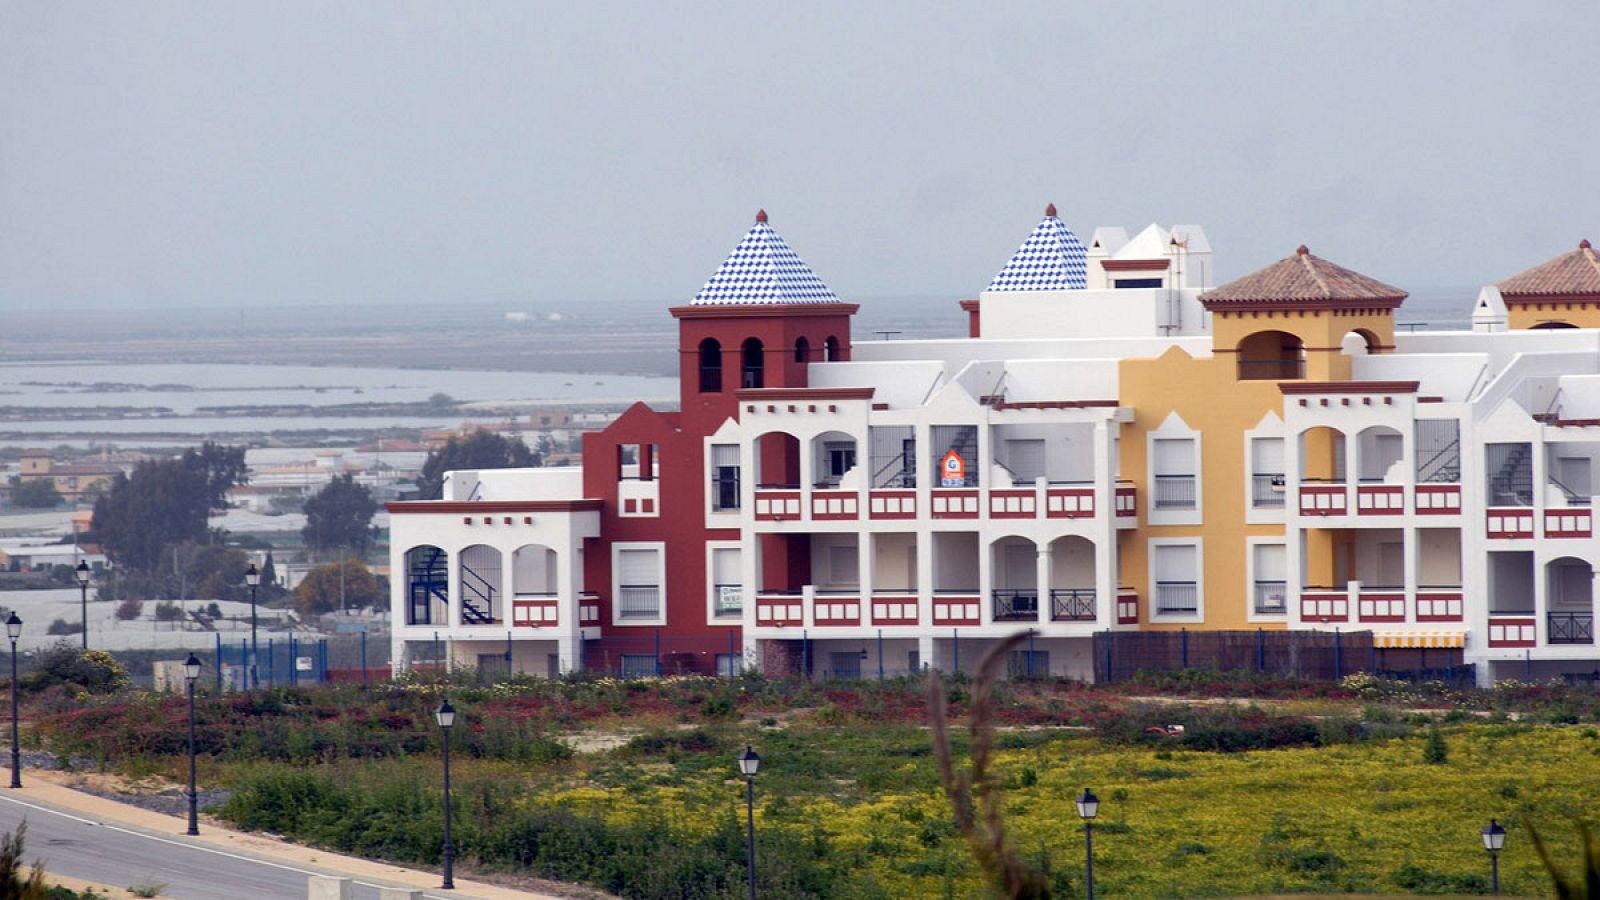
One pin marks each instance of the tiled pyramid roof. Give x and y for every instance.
(1051, 259)
(763, 270)
(1304, 280)
(1574, 273)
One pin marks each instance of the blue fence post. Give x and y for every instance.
(1527, 664)
(324, 654)
(1110, 637)
(1338, 656)
(1030, 653)
(1261, 650)
(509, 672)
(218, 666)
(244, 664)
(880, 655)
(955, 643)
(805, 655)
(734, 668)
(363, 657)
(1183, 648)
(658, 653)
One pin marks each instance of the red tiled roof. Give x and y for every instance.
(1304, 280)
(1574, 273)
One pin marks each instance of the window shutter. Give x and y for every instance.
(637, 567)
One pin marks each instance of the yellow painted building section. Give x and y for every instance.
(1552, 315)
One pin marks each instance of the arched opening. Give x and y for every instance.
(427, 585)
(1378, 449)
(1271, 356)
(1072, 579)
(802, 351)
(833, 454)
(830, 349)
(1014, 562)
(1322, 454)
(1569, 597)
(710, 366)
(1552, 324)
(752, 361)
(482, 594)
(533, 571)
(777, 461)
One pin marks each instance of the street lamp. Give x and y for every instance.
(1494, 838)
(14, 631)
(252, 577)
(749, 764)
(446, 714)
(82, 573)
(1088, 806)
(191, 675)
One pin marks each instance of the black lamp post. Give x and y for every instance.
(1088, 806)
(446, 714)
(14, 631)
(252, 577)
(1494, 838)
(191, 675)
(82, 574)
(749, 764)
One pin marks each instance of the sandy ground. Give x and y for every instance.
(54, 789)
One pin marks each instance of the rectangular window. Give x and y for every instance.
(894, 456)
(1438, 451)
(724, 477)
(638, 665)
(838, 457)
(1173, 464)
(727, 594)
(1177, 569)
(1121, 283)
(638, 584)
(729, 665)
(1271, 578)
(1509, 468)
(1266, 473)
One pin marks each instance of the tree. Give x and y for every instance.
(35, 493)
(269, 572)
(479, 450)
(165, 502)
(16, 879)
(1434, 750)
(319, 591)
(339, 517)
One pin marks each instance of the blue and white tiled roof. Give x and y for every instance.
(763, 270)
(1051, 259)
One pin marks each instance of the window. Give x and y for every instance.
(1271, 578)
(638, 576)
(802, 351)
(1266, 473)
(729, 665)
(894, 456)
(1438, 451)
(1174, 468)
(840, 457)
(724, 477)
(1509, 468)
(752, 362)
(710, 366)
(639, 665)
(727, 593)
(1176, 568)
(1136, 283)
(830, 349)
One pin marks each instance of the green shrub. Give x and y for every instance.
(1434, 751)
(94, 671)
(1418, 880)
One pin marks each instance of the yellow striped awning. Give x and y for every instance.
(1427, 640)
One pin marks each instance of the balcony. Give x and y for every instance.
(535, 610)
(1379, 603)
(956, 607)
(588, 609)
(1517, 628)
(835, 505)
(1437, 499)
(1174, 492)
(779, 608)
(1016, 604)
(1267, 490)
(1324, 498)
(638, 601)
(1127, 501)
(1569, 522)
(1271, 369)
(1177, 598)
(1069, 502)
(1072, 605)
(1015, 503)
(1322, 603)
(1271, 597)
(777, 503)
(836, 608)
(894, 607)
(1570, 628)
(1508, 523)
(1380, 500)
(955, 503)
(892, 504)
(1439, 603)
(1127, 606)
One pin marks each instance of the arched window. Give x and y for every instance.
(830, 349)
(1550, 324)
(802, 351)
(1271, 356)
(752, 359)
(710, 366)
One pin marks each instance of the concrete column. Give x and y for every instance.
(1043, 579)
(567, 652)
(390, 893)
(925, 650)
(327, 887)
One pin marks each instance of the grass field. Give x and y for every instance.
(1276, 789)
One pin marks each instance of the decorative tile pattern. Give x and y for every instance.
(763, 270)
(1051, 259)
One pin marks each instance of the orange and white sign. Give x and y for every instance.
(953, 470)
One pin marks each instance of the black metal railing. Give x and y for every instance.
(638, 601)
(1270, 597)
(1072, 605)
(1571, 628)
(1174, 492)
(1016, 604)
(1177, 597)
(1267, 489)
(729, 599)
(1271, 369)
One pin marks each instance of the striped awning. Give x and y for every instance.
(1427, 640)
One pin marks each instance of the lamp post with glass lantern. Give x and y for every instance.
(1088, 806)
(446, 715)
(252, 577)
(749, 764)
(82, 574)
(1494, 838)
(191, 675)
(14, 631)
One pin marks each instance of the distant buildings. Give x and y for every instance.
(75, 480)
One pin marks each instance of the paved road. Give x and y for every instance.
(118, 855)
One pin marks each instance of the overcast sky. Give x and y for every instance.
(241, 155)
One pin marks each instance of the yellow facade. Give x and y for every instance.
(1553, 315)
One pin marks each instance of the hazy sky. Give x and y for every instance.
(228, 154)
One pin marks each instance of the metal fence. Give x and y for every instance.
(1327, 655)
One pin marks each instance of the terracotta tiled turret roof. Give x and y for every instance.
(1574, 273)
(1304, 280)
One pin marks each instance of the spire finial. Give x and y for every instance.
(1050, 211)
(761, 216)
(1303, 250)
(1583, 244)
